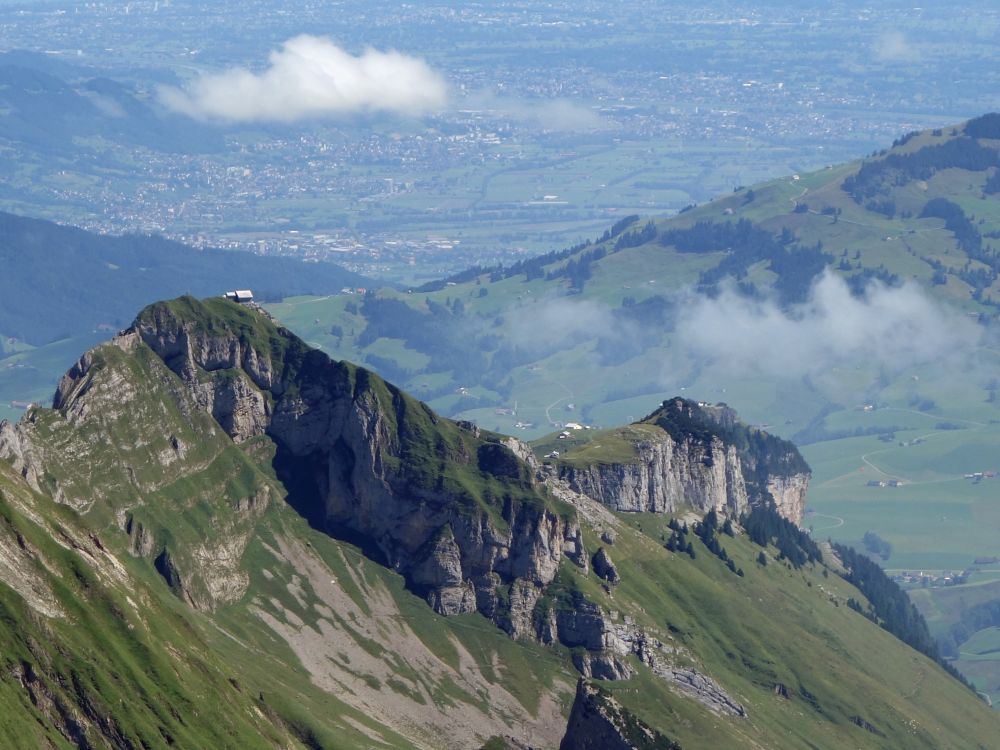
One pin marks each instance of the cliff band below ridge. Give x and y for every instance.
(691, 455)
(665, 476)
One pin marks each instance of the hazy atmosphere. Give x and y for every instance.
(499, 376)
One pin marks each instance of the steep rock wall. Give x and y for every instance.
(789, 493)
(664, 475)
(363, 449)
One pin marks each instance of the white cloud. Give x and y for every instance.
(312, 77)
(553, 324)
(892, 327)
(893, 46)
(563, 115)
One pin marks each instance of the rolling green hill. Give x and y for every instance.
(858, 320)
(616, 309)
(265, 547)
(595, 334)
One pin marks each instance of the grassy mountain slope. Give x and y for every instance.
(597, 334)
(94, 654)
(173, 551)
(502, 340)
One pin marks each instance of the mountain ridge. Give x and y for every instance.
(182, 489)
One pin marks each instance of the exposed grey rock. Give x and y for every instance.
(599, 722)
(602, 644)
(523, 597)
(19, 569)
(789, 493)
(238, 406)
(602, 665)
(17, 449)
(140, 539)
(604, 568)
(689, 458)
(608, 537)
(470, 427)
(522, 450)
(575, 551)
(331, 429)
(586, 625)
(665, 475)
(703, 689)
(441, 572)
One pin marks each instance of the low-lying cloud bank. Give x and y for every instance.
(312, 77)
(891, 327)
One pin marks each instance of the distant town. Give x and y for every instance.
(534, 153)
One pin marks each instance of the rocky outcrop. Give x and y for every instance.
(604, 568)
(20, 569)
(440, 571)
(601, 665)
(17, 450)
(789, 493)
(140, 540)
(599, 722)
(665, 475)
(602, 642)
(703, 689)
(693, 455)
(455, 512)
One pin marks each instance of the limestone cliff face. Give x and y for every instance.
(789, 493)
(18, 451)
(665, 475)
(697, 456)
(457, 513)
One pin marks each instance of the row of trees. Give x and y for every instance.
(973, 619)
(708, 531)
(876, 545)
(956, 222)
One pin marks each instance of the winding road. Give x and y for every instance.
(838, 519)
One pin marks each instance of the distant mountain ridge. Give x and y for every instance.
(47, 104)
(61, 281)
